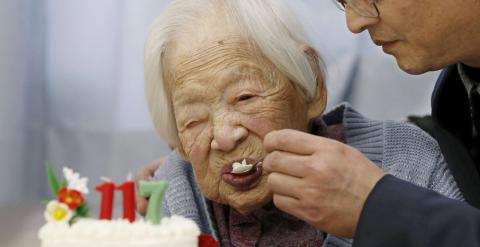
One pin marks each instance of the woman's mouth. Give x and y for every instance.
(242, 174)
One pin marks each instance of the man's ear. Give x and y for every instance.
(317, 104)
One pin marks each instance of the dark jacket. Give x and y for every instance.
(398, 213)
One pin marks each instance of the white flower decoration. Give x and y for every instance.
(58, 212)
(75, 182)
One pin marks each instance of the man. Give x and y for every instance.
(347, 194)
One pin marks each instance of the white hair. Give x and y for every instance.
(268, 25)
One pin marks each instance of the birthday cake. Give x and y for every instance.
(173, 231)
(68, 223)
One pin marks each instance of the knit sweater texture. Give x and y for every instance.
(400, 149)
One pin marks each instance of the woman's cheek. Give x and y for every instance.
(186, 143)
(259, 126)
(262, 124)
(197, 153)
(196, 144)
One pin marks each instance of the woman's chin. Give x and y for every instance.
(249, 206)
(243, 201)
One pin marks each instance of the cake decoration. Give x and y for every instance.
(155, 190)
(68, 225)
(70, 203)
(107, 192)
(58, 212)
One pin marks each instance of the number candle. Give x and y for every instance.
(155, 190)
(128, 198)
(107, 193)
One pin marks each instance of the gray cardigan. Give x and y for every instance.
(400, 149)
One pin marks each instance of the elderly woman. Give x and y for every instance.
(220, 75)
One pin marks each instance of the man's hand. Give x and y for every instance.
(146, 173)
(319, 180)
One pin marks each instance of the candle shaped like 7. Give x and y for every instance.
(107, 190)
(128, 198)
(155, 190)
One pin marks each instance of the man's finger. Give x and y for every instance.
(284, 185)
(147, 171)
(286, 204)
(286, 163)
(293, 141)
(142, 204)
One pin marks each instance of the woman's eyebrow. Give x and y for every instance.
(186, 95)
(244, 73)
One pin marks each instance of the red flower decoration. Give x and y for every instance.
(205, 240)
(72, 198)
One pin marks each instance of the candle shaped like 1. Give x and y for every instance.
(155, 190)
(107, 190)
(128, 198)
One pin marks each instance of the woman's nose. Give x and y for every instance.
(226, 137)
(357, 23)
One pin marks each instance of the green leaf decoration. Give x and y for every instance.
(52, 179)
(83, 210)
(63, 183)
(72, 220)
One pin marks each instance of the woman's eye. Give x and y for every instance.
(191, 124)
(245, 97)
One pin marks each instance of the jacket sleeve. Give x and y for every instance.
(398, 213)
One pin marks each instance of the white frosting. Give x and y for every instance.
(239, 168)
(173, 231)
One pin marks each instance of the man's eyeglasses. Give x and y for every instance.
(365, 8)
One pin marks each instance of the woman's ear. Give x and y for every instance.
(317, 104)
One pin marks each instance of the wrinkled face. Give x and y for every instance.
(226, 98)
(424, 35)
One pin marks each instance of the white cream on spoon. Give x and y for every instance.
(240, 168)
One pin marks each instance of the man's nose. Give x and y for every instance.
(357, 23)
(226, 136)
